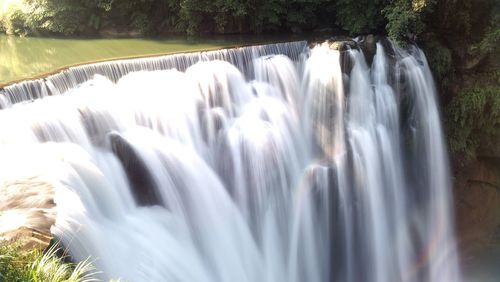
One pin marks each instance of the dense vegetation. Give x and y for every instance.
(460, 38)
(462, 44)
(88, 17)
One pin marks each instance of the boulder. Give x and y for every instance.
(342, 43)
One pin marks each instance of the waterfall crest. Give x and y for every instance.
(268, 163)
(114, 70)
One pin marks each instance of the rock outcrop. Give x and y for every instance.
(342, 43)
(27, 212)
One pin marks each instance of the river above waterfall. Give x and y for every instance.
(28, 57)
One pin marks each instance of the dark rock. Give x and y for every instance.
(368, 45)
(346, 65)
(141, 181)
(477, 206)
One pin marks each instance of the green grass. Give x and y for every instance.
(37, 266)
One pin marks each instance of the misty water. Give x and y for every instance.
(268, 163)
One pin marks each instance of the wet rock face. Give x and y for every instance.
(27, 212)
(368, 45)
(477, 205)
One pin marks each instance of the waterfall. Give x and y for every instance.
(268, 163)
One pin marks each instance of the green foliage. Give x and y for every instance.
(14, 265)
(405, 19)
(267, 15)
(66, 18)
(300, 16)
(141, 23)
(56, 16)
(464, 19)
(193, 13)
(358, 17)
(145, 16)
(35, 266)
(13, 20)
(473, 118)
(490, 41)
(440, 61)
(16, 20)
(255, 16)
(70, 17)
(439, 58)
(465, 63)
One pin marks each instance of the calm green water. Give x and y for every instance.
(23, 58)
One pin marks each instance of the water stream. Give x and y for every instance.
(267, 163)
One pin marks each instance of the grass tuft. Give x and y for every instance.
(36, 266)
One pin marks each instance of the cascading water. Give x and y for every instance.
(286, 166)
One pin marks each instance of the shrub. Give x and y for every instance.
(404, 19)
(441, 63)
(13, 20)
(439, 58)
(473, 119)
